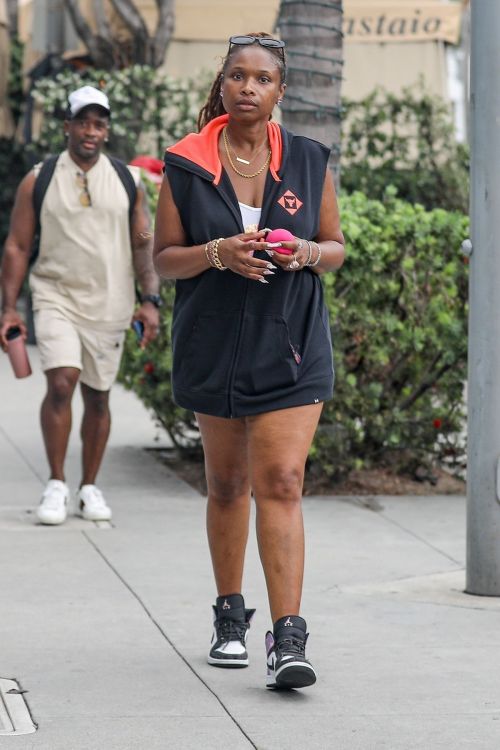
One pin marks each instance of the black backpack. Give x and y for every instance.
(43, 180)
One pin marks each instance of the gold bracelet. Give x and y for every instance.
(207, 253)
(214, 249)
(209, 247)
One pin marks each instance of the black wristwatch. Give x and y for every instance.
(155, 299)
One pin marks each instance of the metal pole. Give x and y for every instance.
(483, 474)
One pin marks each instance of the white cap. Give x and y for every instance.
(84, 97)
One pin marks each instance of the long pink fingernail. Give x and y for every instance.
(263, 281)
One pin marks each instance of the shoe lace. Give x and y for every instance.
(53, 498)
(291, 645)
(95, 498)
(232, 630)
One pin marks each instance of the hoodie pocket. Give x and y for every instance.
(267, 360)
(204, 357)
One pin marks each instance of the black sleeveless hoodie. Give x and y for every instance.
(240, 347)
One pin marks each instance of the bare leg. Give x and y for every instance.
(55, 416)
(228, 506)
(96, 425)
(278, 446)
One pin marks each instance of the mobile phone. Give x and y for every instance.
(138, 327)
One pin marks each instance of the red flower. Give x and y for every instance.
(437, 423)
(149, 368)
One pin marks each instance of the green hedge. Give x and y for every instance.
(398, 316)
(397, 307)
(407, 141)
(149, 111)
(12, 164)
(12, 170)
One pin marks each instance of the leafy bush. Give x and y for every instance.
(407, 141)
(157, 109)
(12, 166)
(399, 321)
(397, 307)
(398, 315)
(149, 374)
(15, 81)
(11, 172)
(144, 104)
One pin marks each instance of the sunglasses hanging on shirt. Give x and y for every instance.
(82, 182)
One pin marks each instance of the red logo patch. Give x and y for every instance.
(290, 202)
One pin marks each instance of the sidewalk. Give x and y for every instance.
(107, 628)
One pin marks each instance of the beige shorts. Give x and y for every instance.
(95, 353)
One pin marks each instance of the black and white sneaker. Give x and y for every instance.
(231, 623)
(287, 666)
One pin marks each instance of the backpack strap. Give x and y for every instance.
(41, 184)
(128, 183)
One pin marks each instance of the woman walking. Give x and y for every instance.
(251, 338)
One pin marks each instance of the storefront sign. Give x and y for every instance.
(402, 22)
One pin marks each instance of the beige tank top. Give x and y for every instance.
(84, 267)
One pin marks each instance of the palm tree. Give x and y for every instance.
(312, 31)
(12, 15)
(142, 49)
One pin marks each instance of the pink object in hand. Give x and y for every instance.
(277, 236)
(18, 355)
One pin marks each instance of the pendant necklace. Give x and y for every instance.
(240, 158)
(243, 161)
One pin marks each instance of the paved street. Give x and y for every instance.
(107, 628)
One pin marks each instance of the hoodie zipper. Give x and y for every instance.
(230, 397)
(270, 189)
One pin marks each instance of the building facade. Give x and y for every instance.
(391, 44)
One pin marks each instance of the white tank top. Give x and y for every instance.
(250, 217)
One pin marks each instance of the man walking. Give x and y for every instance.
(95, 241)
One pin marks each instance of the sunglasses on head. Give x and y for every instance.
(263, 41)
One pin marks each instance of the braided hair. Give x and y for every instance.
(214, 107)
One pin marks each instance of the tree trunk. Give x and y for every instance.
(100, 45)
(142, 49)
(314, 47)
(12, 14)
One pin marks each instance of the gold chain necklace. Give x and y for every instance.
(242, 174)
(239, 158)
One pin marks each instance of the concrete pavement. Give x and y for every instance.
(107, 628)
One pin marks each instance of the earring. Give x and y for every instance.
(222, 94)
(279, 102)
(106, 140)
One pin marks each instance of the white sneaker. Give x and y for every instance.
(53, 507)
(92, 505)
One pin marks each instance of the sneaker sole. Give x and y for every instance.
(94, 518)
(291, 676)
(227, 663)
(47, 522)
